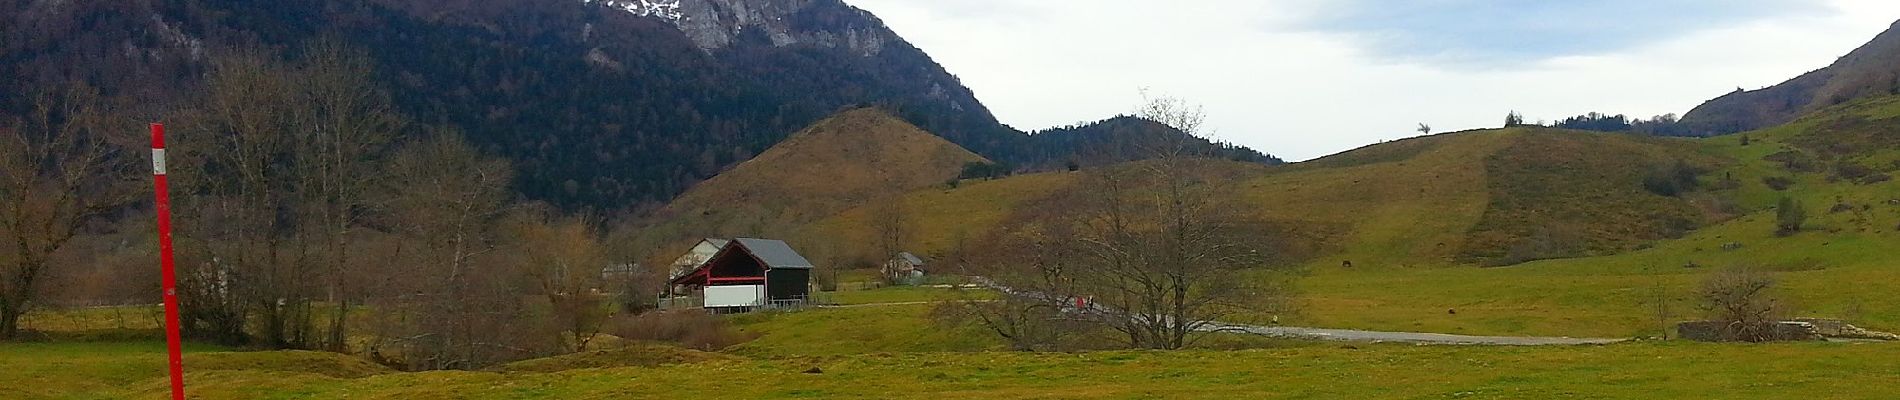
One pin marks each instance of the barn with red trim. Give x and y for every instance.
(748, 274)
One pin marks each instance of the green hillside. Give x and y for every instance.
(1841, 266)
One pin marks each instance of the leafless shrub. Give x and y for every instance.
(1742, 299)
(1778, 183)
(688, 328)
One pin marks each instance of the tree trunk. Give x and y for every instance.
(9, 320)
(338, 339)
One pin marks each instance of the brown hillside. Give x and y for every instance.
(1871, 70)
(838, 163)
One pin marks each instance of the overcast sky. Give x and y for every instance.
(1305, 78)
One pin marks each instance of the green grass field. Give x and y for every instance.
(1311, 371)
(902, 351)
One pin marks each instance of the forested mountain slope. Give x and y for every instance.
(602, 104)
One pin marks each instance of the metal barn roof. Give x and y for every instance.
(775, 253)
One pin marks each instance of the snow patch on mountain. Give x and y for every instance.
(663, 9)
(715, 24)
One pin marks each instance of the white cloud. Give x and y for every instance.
(1303, 94)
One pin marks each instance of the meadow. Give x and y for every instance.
(890, 352)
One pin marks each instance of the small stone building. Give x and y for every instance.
(904, 268)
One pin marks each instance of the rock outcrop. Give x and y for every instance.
(717, 24)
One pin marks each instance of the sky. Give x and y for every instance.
(1302, 79)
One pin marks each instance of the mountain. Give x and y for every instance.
(1127, 138)
(1871, 70)
(603, 104)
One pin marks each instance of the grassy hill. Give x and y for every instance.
(1833, 161)
(851, 158)
(1450, 199)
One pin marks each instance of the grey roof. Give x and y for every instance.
(720, 243)
(912, 258)
(775, 254)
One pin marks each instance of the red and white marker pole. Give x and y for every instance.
(170, 275)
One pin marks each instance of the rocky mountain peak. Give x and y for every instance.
(717, 24)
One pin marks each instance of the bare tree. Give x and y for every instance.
(347, 124)
(277, 169)
(1658, 300)
(458, 304)
(1162, 259)
(1147, 249)
(891, 222)
(639, 289)
(58, 171)
(1424, 129)
(1030, 265)
(564, 258)
(1742, 300)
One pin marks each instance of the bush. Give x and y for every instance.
(1673, 179)
(1852, 172)
(983, 170)
(1793, 161)
(1875, 178)
(1778, 183)
(1544, 244)
(1741, 300)
(826, 279)
(694, 329)
(1789, 217)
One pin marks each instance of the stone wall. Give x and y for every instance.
(1716, 331)
(1834, 328)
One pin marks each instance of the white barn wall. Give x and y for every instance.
(735, 296)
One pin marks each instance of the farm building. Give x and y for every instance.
(904, 268)
(702, 251)
(620, 272)
(747, 274)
